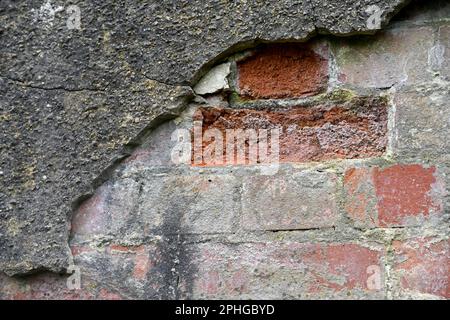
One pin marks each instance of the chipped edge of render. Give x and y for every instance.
(215, 80)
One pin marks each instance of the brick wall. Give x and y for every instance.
(355, 204)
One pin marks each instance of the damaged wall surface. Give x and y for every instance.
(357, 206)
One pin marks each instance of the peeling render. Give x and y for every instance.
(74, 100)
(103, 128)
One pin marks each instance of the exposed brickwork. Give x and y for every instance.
(204, 204)
(90, 218)
(288, 202)
(107, 273)
(405, 191)
(422, 126)
(386, 60)
(360, 199)
(119, 271)
(313, 133)
(303, 270)
(398, 195)
(284, 71)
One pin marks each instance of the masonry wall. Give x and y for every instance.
(356, 205)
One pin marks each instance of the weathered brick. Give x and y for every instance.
(392, 57)
(422, 125)
(142, 261)
(290, 201)
(284, 71)
(360, 201)
(121, 271)
(159, 205)
(90, 216)
(190, 204)
(215, 206)
(283, 271)
(156, 230)
(404, 192)
(156, 150)
(104, 294)
(421, 265)
(107, 210)
(399, 195)
(310, 133)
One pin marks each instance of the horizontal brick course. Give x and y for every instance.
(314, 133)
(190, 204)
(290, 201)
(285, 270)
(398, 56)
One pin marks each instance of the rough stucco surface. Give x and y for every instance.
(56, 150)
(70, 100)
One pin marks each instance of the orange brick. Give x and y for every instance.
(283, 71)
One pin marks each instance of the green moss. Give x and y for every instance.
(235, 98)
(341, 95)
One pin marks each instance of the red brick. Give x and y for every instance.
(106, 211)
(352, 260)
(314, 133)
(360, 202)
(121, 248)
(80, 249)
(284, 70)
(405, 191)
(399, 195)
(142, 262)
(422, 266)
